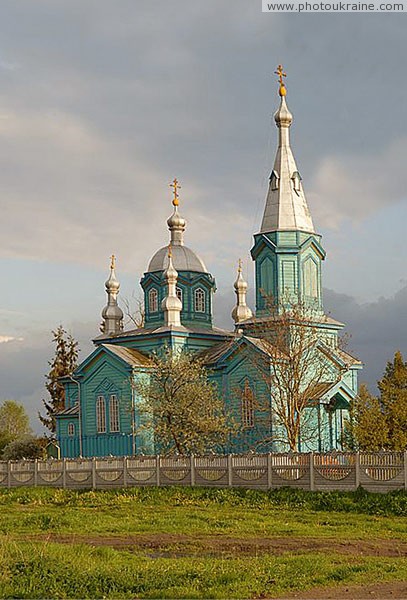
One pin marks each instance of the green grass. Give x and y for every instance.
(31, 568)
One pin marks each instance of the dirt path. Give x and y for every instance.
(396, 590)
(179, 544)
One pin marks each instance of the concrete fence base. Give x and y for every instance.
(376, 472)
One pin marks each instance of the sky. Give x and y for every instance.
(103, 103)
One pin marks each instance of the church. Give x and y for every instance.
(100, 417)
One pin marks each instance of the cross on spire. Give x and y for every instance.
(175, 186)
(282, 91)
(112, 261)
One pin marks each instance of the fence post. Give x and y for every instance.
(124, 471)
(357, 469)
(8, 474)
(311, 472)
(157, 467)
(35, 472)
(405, 470)
(269, 471)
(192, 459)
(64, 473)
(93, 473)
(230, 473)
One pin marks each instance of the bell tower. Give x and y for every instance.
(287, 251)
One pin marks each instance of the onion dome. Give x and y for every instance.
(241, 312)
(184, 259)
(171, 304)
(112, 314)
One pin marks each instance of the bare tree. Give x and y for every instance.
(297, 368)
(134, 311)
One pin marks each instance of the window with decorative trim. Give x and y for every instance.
(114, 425)
(199, 300)
(71, 429)
(247, 406)
(153, 300)
(101, 414)
(178, 291)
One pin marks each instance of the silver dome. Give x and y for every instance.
(183, 258)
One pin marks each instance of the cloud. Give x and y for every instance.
(377, 329)
(4, 339)
(355, 186)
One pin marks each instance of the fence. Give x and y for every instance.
(376, 472)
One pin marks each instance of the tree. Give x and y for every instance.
(378, 423)
(367, 427)
(14, 422)
(28, 447)
(64, 363)
(134, 310)
(180, 405)
(393, 401)
(298, 372)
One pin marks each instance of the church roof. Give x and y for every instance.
(165, 329)
(216, 353)
(183, 258)
(71, 411)
(131, 356)
(286, 205)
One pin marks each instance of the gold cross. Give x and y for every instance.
(282, 91)
(112, 261)
(239, 268)
(175, 186)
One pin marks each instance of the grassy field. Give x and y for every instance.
(196, 543)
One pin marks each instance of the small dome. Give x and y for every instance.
(183, 258)
(176, 221)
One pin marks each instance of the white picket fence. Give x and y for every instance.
(377, 472)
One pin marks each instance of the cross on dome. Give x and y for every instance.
(175, 186)
(283, 90)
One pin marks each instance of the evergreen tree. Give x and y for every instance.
(64, 363)
(393, 400)
(366, 429)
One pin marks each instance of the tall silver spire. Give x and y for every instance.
(171, 304)
(241, 311)
(176, 223)
(286, 205)
(112, 314)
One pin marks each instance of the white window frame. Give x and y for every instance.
(114, 417)
(199, 300)
(178, 291)
(101, 414)
(71, 429)
(153, 300)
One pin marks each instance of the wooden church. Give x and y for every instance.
(100, 417)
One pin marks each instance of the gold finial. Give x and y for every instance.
(175, 186)
(169, 251)
(283, 90)
(239, 268)
(112, 261)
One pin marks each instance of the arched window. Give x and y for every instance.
(247, 407)
(114, 414)
(179, 293)
(153, 300)
(101, 415)
(199, 300)
(71, 429)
